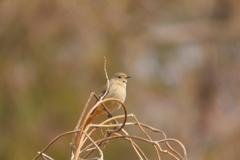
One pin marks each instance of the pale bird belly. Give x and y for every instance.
(118, 92)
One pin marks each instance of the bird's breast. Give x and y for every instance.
(117, 91)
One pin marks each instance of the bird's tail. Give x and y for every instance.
(91, 117)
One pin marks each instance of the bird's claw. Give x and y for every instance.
(110, 115)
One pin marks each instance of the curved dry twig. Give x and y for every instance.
(146, 126)
(180, 143)
(147, 136)
(55, 139)
(125, 113)
(143, 125)
(113, 137)
(109, 132)
(127, 137)
(80, 138)
(152, 129)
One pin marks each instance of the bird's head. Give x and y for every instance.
(120, 77)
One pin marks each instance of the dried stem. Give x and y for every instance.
(105, 70)
(83, 135)
(55, 139)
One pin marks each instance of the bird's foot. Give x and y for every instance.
(110, 115)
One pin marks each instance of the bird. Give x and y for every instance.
(117, 89)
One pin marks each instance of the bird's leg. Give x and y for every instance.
(109, 114)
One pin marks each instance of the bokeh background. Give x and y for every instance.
(183, 57)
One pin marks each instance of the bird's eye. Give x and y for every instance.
(119, 77)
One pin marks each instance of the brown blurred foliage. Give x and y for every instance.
(183, 56)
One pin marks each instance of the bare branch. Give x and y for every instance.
(82, 139)
(55, 139)
(105, 69)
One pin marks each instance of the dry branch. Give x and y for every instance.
(115, 134)
(80, 144)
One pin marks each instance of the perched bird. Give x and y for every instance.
(117, 89)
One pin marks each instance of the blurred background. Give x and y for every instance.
(183, 57)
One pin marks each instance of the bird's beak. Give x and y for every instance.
(128, 77)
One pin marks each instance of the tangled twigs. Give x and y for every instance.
(156, 144)
(119, 133)
(109, 132)
(83, 135)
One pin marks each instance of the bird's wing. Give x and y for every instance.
(102, 93)
(104, 90)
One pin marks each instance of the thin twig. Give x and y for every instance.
(105, 69)
(56, 138)
(125, 112)
(143, 125)
(46, 156)
(101, 153)
(75, 142)
(159, 131)
(100, 100)
(122, 136)
(118, 129)
(80, 138)
(134, 117)
(138, 150)
(175, 140)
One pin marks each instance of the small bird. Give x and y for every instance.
(117, 89)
